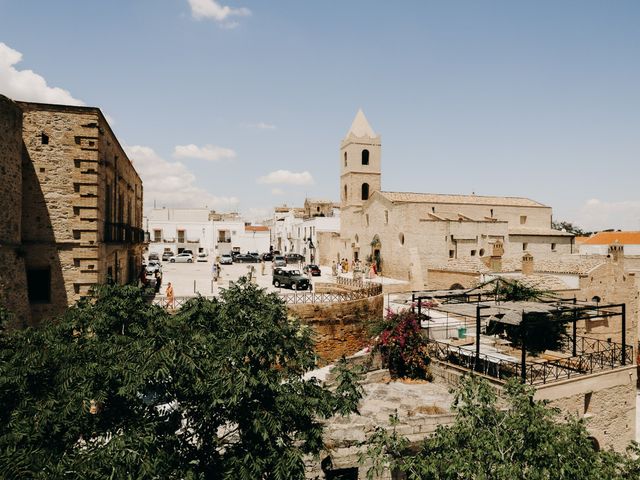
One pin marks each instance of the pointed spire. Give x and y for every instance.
(360, 127)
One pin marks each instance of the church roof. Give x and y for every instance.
(410, 197)
(360, 127)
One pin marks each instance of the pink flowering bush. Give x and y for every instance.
(402, 346)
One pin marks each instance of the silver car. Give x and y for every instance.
(182, 258)
(279, 261)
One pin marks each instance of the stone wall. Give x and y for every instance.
(340, 328)
(606, 400)
(444, 280)
(13, 280)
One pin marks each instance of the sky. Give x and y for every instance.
(241, 104)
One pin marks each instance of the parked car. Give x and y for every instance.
(293, 258)
(267, 257)
(153, 266)
(153, 256)
(226, 259)
(203, 257)
(314, 269)
(166, 256)
(187, 251)
(279, 261)
(182, 258)
(290, 278)
(245, 258)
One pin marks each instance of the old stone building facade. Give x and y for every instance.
(74, 208)
(405, 233)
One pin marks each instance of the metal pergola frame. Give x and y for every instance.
(519, 313)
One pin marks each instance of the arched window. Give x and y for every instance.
(345, 193)
(365, 157)
(365, 191)
(345, 159)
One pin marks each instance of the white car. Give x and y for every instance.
(182, 258)
(202, 257)
(226, 259)
(153, 267)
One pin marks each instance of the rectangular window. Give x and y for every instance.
(473, 253)
(452, 253)
(524, 245)
(180, 236)
(553, 247)
(157, 235)
(39, 285)
(523, 219)
(386, 217)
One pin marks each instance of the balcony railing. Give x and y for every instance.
(595, 355)
(122, 233)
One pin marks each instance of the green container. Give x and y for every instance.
(462, 332)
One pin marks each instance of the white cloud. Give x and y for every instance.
(277, 191)
(261, 126)
(257, 214)
(172, 184)
(212, 10)
(596, 214)
(211, 153)
(27, 85)
(285, 177)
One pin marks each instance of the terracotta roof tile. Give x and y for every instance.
(607, 238)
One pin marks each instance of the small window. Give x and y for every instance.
(366, 219)
(401, 238)
(44, 138)
(553, 247)
(365, 191)
(452, 253)
(157, 235)
(317, 209)
(473, 253)
(180, 236)
(386, 217)
(491, 213)
(481, 252)
(365, 157)
(39, 285)
(524, 245)
(345, 193)
(345, 159)
(523, 219)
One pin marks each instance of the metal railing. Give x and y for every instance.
(603, 356)
(122, 233)
(331, 297)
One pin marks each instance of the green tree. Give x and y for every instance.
(118, 388)
(568, 227)
(523, 439)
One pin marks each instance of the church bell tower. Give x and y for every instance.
(359, 163)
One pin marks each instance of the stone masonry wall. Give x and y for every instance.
(13, 280)
(340, 328)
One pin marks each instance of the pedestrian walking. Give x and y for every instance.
(158, 281)
(170, 297)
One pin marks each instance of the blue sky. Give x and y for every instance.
(537, 99)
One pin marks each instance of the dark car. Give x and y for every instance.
(153, 256)
(166, 256)
(290, 278)
(314, 269)
(293, 258)
(245, 258)
(267, 257)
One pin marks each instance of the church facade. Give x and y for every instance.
(406, 234)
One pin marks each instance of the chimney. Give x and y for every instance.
(496, 257)
(616, 252)
(527, 264)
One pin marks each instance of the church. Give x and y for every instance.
(408, 234)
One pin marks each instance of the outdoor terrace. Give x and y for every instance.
(480, 331)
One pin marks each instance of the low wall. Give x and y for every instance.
(341, 327)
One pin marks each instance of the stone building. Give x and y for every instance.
(403, 232)
(73, 212)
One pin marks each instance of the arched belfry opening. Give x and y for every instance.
(365, 157)
(365, 191)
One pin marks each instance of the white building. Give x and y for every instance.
(202, 230)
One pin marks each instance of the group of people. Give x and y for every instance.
(145, 280)
(356, 266)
